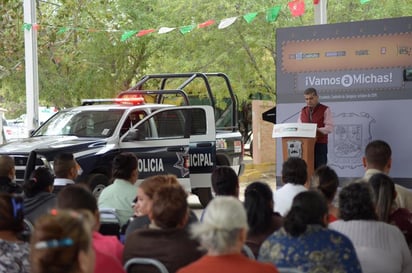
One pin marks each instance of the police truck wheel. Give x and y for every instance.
(204, 195)
(97, 182)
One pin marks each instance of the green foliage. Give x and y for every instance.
(80, 54)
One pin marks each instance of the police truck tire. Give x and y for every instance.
(97, 182)
(204, 195)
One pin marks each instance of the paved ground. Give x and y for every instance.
(253, 172)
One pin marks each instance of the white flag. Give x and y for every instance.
(164, 30)
(226, 22)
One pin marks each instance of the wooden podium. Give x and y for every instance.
(298, 140)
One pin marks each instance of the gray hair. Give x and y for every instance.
(224, 218)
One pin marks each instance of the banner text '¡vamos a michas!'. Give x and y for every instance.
(348, 80)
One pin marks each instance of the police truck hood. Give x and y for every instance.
(50, 142)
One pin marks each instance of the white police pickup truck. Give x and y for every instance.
(167, 139)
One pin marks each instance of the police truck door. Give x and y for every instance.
(161, 144)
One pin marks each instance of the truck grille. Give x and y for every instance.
(20, 162)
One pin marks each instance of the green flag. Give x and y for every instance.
(364, 1)
(272, 14)
(26, 26)
(62, 30)
(250, 17)
(186, 29)
(127, 34)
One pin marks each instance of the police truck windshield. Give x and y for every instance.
(81, 123)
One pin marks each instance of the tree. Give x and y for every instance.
(81, 54)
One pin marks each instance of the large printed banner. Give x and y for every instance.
(363, 71)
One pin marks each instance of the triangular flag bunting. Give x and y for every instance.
(272, 14)
(164, 30)
(297, 7)
(250, 17)
(145, 32)
(26, 26)
(186, 29)
(364, 1)
(127, 34)
(62, 30)
(226, 22)
(206, 24)
(36, 27)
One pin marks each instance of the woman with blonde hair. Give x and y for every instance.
(62, 243)
(165, 239)
(144, 201)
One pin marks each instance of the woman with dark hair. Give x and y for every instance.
(381, 247)
(326, 181)
(121, 193)
(14, 253)
(294, 178)
(38, 196)
(62, 243)
(385, 194)
(225, 181)
(260, 216)
(305, 243)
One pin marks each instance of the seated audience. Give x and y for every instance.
(294, 178)
(62, 243)
(380, 247)
(121, 193)
(65, 169)
(166, 239)
(144, 201)
(38, 196)
(305, 243)
(223, 233)
(385, 195)
(260, 216)
(7, 175)
(79, 198)
(378, 159)
(14, 253)
(225, 181)
(326, 181)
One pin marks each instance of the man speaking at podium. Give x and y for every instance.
(315, 112)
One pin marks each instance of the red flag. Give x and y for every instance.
(145, 32)
(297, 7)
(206, 24)
(36, 27)
(315, 2)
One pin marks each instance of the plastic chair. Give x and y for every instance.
(27, 230)
(248, 252)
(109, 222)
(288, 270)
(145, 261)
